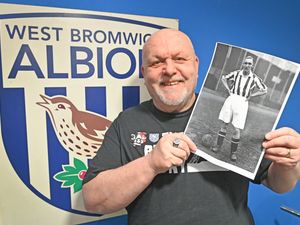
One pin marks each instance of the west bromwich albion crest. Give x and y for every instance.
(81, 90)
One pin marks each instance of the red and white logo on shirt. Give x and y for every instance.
(139, 138)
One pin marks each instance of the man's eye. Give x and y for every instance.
(156, 63)
(179, 59)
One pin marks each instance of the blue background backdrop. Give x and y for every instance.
(268, 26)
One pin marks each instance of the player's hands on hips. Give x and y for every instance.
(165, 155)
(283, 147)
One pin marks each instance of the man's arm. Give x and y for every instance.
(261, 88)
(283, 149)
(115, 189)
(225, 83)
(258, 93)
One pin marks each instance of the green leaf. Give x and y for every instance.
(68, 183)
(77, 186)
(79, 165)
(63, 176)
(70, 169)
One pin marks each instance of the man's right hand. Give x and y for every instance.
(165, 155)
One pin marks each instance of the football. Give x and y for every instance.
(207, 140)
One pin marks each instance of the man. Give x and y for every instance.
(126, 173)
(241, 85)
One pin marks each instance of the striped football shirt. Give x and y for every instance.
(244, 85)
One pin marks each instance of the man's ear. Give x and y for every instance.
(198, 64)
(143, 70)
(197, 60)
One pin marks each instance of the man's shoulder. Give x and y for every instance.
(255, 76)
(235, 72)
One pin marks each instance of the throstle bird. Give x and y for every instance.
(79, 132)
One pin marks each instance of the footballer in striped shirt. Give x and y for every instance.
(241, 85)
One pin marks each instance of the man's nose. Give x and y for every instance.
(170, 67)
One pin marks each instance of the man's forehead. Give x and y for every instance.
(167, 43)
(164, 51)
(169, 46)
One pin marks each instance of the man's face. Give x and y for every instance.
(248, 64)
(170, 70)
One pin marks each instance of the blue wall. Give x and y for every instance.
(268, 26)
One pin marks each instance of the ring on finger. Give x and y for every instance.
(176, 142)
(288, 155)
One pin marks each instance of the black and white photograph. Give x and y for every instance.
(241, 99)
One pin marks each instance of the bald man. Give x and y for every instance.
(142, 163)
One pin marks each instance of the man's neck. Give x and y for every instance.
(246, 72)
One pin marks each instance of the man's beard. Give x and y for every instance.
(184, 97)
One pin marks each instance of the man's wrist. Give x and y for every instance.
(149, 164)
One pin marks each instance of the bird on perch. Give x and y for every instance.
(79, 132)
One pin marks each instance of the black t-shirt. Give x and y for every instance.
(197, 193)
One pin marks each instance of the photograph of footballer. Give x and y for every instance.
(241, 99)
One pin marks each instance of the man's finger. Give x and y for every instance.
(191, 145)
(281, 132)
(282, 141)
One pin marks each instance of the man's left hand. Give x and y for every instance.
(282, 146)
